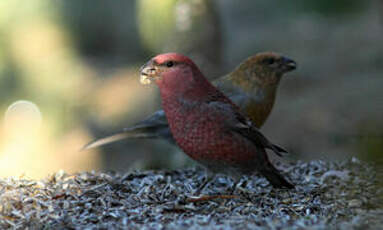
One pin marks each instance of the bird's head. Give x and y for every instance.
(263, 68)
(171, 71)
(165, 67)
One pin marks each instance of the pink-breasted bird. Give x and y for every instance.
(252, 85)
(206, 124)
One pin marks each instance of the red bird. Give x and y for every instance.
(206, 124)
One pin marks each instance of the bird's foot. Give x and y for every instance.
(237, 184)
(208, 178)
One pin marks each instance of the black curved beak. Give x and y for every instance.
(147, 69)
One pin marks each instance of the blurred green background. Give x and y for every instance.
(69, 73)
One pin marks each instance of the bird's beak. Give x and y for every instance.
(147, 73)
(288, 64)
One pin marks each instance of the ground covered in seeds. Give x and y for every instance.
(339, 195)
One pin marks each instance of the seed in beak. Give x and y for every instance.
(144, 79)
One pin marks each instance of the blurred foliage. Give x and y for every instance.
(333, 7)
(39, 64)
(103, 30)
(190, 27)
(157, 22)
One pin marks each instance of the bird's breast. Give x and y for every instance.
(203, 135)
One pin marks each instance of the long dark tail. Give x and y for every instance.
(155, 126)
(274, 177)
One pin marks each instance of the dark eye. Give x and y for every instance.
(269, 61)
(169, 64)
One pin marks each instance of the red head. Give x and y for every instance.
(174, 74)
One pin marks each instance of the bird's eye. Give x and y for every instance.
(169, 64)
(269, 61)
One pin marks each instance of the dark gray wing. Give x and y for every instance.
(242, 125)
(246, 129)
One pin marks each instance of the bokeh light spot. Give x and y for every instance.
(22, 116)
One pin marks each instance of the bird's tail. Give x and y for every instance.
(274, 177)
(125, 134)
(132, 133)
(154, 126)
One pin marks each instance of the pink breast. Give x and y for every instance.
(205, 138)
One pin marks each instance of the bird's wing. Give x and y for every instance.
(242, 125)
(246, 129)
(224, 84)
(158, 118)
(236, 94)
(156, 125)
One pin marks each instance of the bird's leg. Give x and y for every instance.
(237, 183)
(210, 177)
